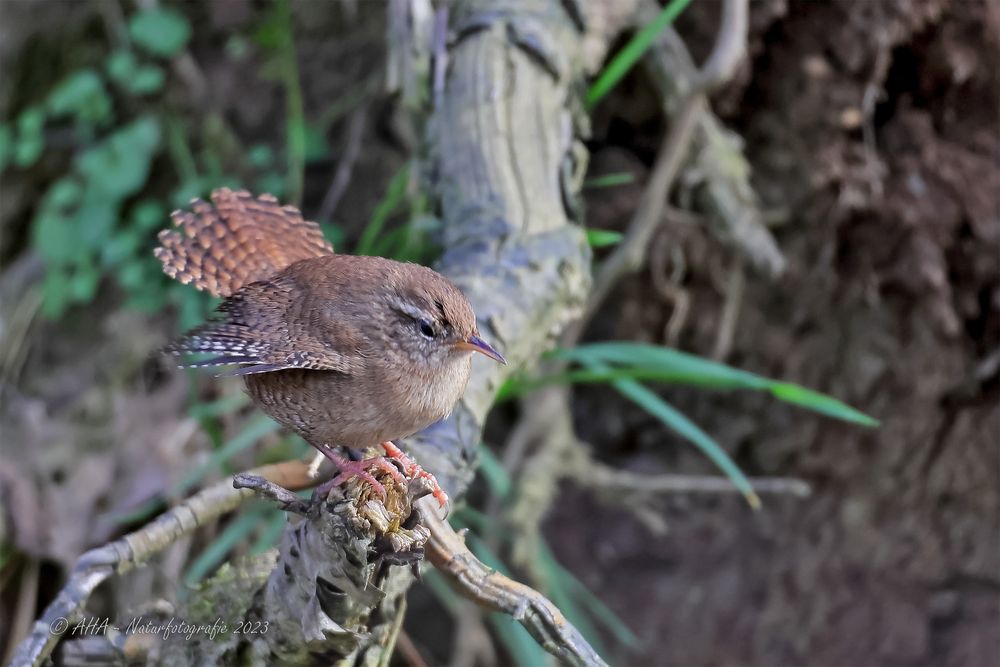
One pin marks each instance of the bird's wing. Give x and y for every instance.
(266, 326)
(236, 240)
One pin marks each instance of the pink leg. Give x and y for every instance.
(413, 469)
(348, 469)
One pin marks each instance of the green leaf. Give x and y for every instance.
(119, 165)
(118, 248)
(260, 156)
(63, 194)
(147, 214)
(95, 219)
(83, 95)
(601, 238)
(316, 147)
(633, 50)
(135, 78)
(84, 281)
(160, 30)
(120, 66)
(30, 137)
(519, 643)
(54, 238)
(148, 79)
(55, 292)
(593, 604)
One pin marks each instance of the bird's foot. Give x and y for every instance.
(413, 470)
(348, 469)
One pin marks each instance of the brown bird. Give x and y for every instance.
(343, 350)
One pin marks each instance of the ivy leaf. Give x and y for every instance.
(81, 94)
(119, 165)
(160, 31)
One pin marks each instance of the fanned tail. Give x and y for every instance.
(236, 240)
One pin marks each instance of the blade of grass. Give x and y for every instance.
(649, 362)
(215, 553)
(591, 602)
(518, 642)
(295, 123)
(256, 428)
(222, 406)
(394, 196)
(609, 180)
(494, 473)
(684, 427)
(271, 532)
(556, 589)
(602, 238)
(632, 51)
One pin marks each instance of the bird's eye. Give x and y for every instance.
(426, 328)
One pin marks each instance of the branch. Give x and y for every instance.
(723, 192)
(630, 253)
(492, 590)
(136, 548)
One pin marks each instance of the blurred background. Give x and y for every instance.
(872, 133)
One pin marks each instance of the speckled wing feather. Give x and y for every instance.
(261, 330)
(239, 240)
(239, 249)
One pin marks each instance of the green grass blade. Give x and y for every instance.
(813, 400)
(256, 428)
(641, 361)
(394, 196)
(630, 54)
(602, 238)
(609, 180)
(556, 590)
(215, 553)
(223, 406)
(442, 590)
(673, 365)
(518, 642)
(591, 602)
(271, 532)
(494, 473)
(684, 427)
(521, 646)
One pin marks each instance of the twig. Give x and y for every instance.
(723, 193)
(730, 311)
(599, 476)
(481, 583)
(134, 549)
(345, 168)
(408, 650)
(628, 256)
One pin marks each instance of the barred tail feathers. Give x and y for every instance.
(236, 240)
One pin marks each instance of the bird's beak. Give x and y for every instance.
(477, 344)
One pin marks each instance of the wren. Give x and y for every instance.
(346, 351)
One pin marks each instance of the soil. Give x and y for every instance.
(891, 302)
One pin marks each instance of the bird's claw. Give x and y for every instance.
(413, 470)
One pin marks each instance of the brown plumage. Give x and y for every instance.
(343, 350)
